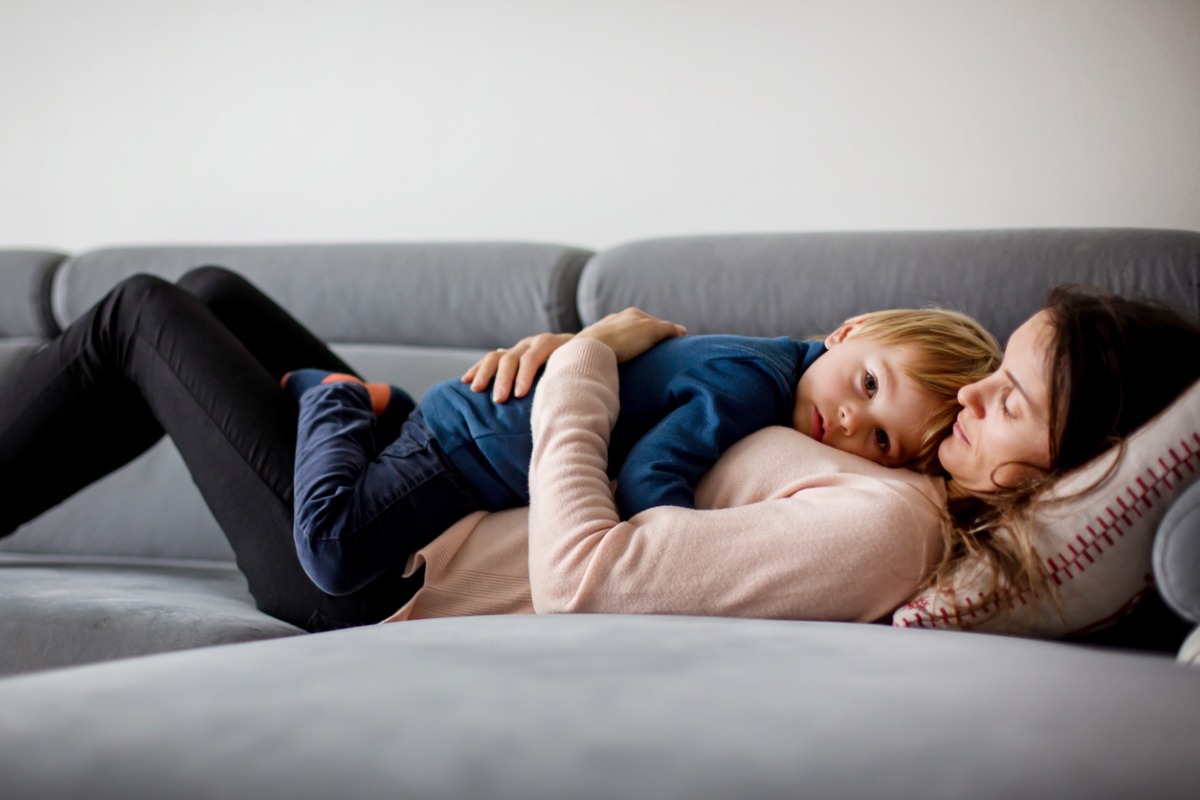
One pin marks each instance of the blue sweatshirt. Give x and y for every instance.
(683, 403)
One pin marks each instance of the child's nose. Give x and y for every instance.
(848, 418)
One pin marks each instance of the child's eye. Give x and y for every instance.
(870, 384)
(881, 440)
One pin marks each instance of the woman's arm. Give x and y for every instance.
(846, 546)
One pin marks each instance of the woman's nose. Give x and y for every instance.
(971, 397)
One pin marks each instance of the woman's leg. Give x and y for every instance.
(151, 357)
(276, 339)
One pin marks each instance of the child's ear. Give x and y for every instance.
(845, 329)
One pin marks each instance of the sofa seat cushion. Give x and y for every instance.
(594, 706)
(59, 611)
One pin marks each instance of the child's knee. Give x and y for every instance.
(329, 567)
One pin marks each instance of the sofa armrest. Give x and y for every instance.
(1177, 555)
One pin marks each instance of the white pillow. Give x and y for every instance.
(1095, 548)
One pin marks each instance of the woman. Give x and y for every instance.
(810, 534)
(1078, 377)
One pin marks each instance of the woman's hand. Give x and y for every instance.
(514, 368)
(631, 332)
(510, 370)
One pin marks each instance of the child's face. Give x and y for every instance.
(858, 398)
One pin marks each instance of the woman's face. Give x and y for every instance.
(1005, 423)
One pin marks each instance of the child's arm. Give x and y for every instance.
(712, 405)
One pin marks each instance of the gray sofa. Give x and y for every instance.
(201, 695)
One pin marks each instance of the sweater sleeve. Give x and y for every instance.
(851, 549)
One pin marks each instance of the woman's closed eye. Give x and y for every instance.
(1004, 408)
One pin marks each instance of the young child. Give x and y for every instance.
(882, 386)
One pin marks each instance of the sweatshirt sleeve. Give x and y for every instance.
(710, 412)
(850, 550)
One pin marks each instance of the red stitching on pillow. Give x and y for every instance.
(1143, 499)
(1098, 531)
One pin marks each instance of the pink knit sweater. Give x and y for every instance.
(784, 527)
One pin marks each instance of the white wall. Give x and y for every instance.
(590, 122)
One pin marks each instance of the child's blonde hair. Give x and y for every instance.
(952, 350)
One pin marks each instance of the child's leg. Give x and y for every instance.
(358, 512)
(280, 342)
(150, 357)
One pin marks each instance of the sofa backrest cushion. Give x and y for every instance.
(472, 294)
(26, 320)
(805, 284)
(25, 277)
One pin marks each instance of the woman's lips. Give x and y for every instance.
(960, 433)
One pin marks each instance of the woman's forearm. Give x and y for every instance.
(569, 469)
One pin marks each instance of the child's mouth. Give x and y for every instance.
(818, 426)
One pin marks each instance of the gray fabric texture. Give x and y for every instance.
(414, 369)
(595, 707)
(1176, 555)
(805, 284)
(25, 277)
(480, 295)
(63, 612)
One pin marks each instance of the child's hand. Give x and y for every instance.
(514, 368)
(632, 332)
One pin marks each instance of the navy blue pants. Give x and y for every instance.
(369, 501)
(201, 362)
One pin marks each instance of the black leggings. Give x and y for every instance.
(201, 362)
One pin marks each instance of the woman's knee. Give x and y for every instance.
(211, 283)
(137, 292)
(136, 306)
